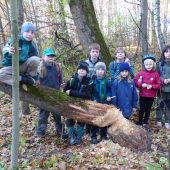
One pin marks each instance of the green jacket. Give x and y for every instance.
(164, 74)
(26, 49)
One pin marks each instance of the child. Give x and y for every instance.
(81, 86)
(28, 57)
(51, 76)
(94, 50)
(101, 93)
(149, 82)
(124, 91)
(114, 66)
(163, 68)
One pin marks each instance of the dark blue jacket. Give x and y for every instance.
(81, 89)
(126, 96)
(52, 79)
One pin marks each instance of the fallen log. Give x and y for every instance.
(121, 131)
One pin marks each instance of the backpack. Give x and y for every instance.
(114, 65)
(160, 68)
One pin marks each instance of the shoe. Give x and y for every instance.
(167, 126)
(40, 135)
(72, 138)
(94, 140)
(60, 133)
(159, 124)
(146, 127)
(104, 138)
(78, 141)
(28, 80)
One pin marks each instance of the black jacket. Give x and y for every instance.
(79, 89)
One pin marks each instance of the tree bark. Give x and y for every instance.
(144, 27)
(157, 24)
(121, 131)
(88, 28)
(20, 14)
(15, 85)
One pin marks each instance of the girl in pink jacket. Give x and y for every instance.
(149, 82)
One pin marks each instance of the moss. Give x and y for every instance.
(72, 3)
(47, 94)
(85, 106)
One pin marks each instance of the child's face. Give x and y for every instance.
(100, 72)
(81, 72)
(49, 58)
(94, 53)
(124, 73)
(148, 65)
(29, 35)
(167, 54)
(120, 54)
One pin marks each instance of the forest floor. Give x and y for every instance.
(51, 152)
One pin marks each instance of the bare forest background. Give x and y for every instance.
(120, 21)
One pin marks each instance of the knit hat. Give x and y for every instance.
(100, 65)
(124, 66)
(48, 51)
(27, 26)
(83, 65)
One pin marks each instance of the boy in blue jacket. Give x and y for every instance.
(51, 76)
(28, 57)
(80, 85)
(101, 94)
(124, 90)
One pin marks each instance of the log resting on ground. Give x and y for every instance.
(121, 131)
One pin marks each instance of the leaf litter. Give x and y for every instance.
(51, 152)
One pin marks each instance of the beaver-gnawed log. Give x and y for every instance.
(121, 130)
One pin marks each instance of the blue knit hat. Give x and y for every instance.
(124, 66)
(27, 26)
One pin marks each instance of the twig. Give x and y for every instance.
(2, 96)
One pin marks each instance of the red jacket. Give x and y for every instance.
(150, 78)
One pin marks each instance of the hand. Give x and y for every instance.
(68, 92)
(133, 110)
(144, 85)
(94, 101)
(166, 81)
(108, 99)
(38, 81)
(11, 50)
(149, 87)
(127, 61)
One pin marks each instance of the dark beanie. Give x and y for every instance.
(83, 65)
(124, 66)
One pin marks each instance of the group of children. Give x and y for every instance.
(90, 82)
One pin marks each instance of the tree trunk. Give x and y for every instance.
(157, 23)
(2, 32)
(15, 85)
(165, 21)
(37, 35)
(121, 131)
(88, 28)
(20, 15)
(144, 27)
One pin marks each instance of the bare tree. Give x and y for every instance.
(144, 27)
(157, 23)
(20, 14)
(15, 85)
